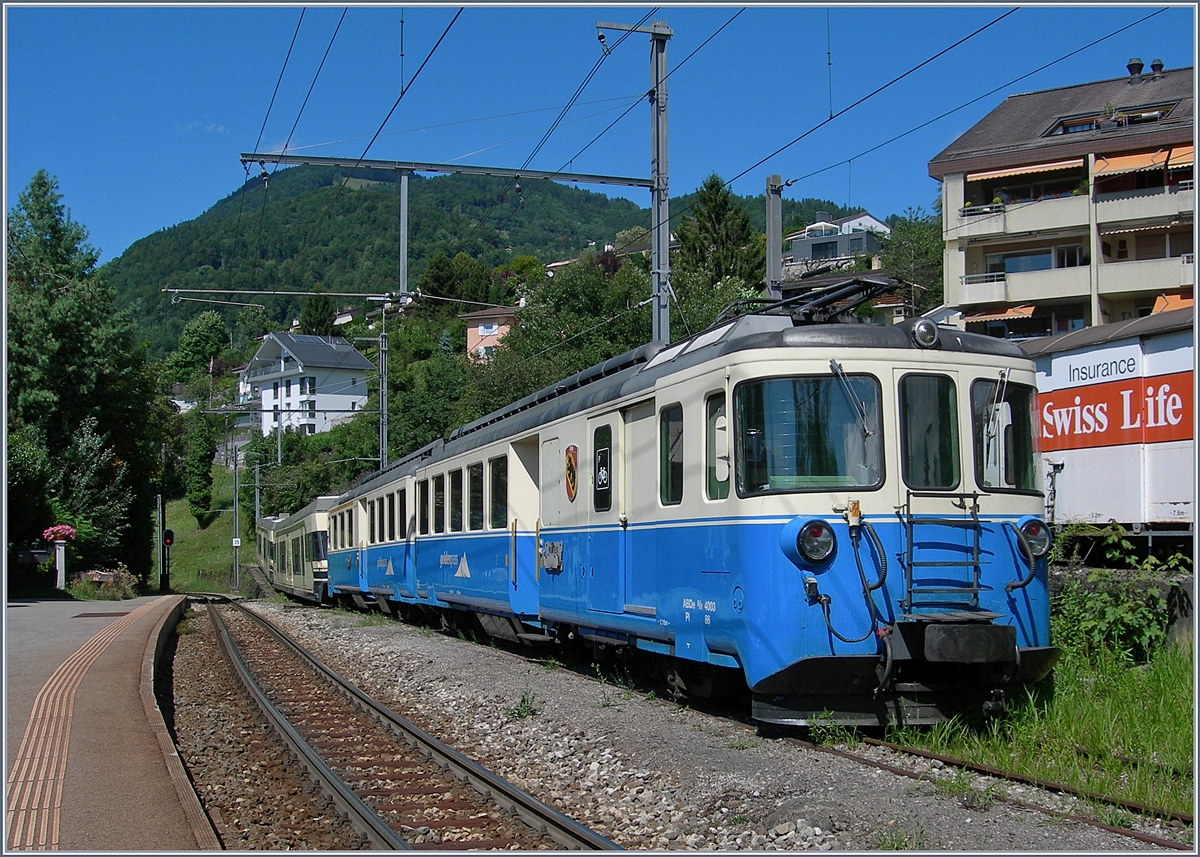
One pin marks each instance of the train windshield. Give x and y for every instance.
(1002, 415)
(808, 434)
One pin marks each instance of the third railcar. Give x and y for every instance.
(292, 551)
(847, 516)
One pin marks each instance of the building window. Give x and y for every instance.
(489, 329)
(825, 250)
(287, 388)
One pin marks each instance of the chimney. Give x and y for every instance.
(1156, 66)
(1135, 67)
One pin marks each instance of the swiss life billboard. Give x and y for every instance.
(1116, 421)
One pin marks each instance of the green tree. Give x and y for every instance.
(251, 324)
(317, 316)
(90, 487)
(717, 238)
(201, 449)
(202, 339)
(913, 255)
(72, 355)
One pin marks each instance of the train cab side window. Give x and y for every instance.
(456, 501)
(439, 503)
(671, 455)
(1006, 439)
(381, 509)
(475, 496)
(349, 528)
(498, 468)
(423, 506)
(402, 512)
(716, 448)
(391, 517)
(371, 522)
(929, 446)
(602, 475)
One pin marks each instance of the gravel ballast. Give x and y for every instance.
(646, 773)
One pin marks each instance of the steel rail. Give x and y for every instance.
(1140, 809)
(362, 818)
(561, 828)
(920, 775)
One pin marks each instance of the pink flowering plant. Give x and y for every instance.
(59, 533)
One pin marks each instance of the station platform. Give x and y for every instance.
(90, 765)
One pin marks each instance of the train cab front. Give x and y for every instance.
(956, 623)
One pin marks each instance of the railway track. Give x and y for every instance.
(396, 784)
(1138, 809)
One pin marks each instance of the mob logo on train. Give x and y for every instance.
(1122, 408)
(572, 465)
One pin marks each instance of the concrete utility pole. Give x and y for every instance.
(660, 212)
(774, 237)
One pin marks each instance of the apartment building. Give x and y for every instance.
(303, 382)
(1072, 207)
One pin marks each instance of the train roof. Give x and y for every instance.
(1157, 324)
(280, 522)
(639, 369)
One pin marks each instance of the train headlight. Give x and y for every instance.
(925, 333)
(1037, 536)
(808, 542)
(815, 541)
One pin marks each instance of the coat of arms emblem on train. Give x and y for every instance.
(572, 472)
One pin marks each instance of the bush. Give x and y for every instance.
(1109, 611)
(103, 585)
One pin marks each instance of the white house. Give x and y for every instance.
(308, 383)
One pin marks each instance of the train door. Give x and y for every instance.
(940, 508)
(362, 530)
(600, 481)
(523, 486)
(638, 499)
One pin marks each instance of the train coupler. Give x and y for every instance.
(997, 705)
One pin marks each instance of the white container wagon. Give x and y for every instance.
(1116, 422)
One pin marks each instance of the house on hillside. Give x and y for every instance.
(485, 328)
(834, 243)
(303, 382)
(1072, 207)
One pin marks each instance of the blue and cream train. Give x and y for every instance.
(847, 516)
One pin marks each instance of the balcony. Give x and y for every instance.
(982, 289)
(1160, 202)
(1030, 286)
(1024, 287)
(1048, 215)
(1147, 275)
(976, 220)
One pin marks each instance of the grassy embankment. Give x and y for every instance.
(202, 559)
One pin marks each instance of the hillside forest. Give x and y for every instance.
(99, 356)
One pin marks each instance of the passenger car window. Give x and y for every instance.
(1005, 436)
(670, 423)
(929, 449)
(499, 479)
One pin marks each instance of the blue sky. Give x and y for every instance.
(141, 113)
